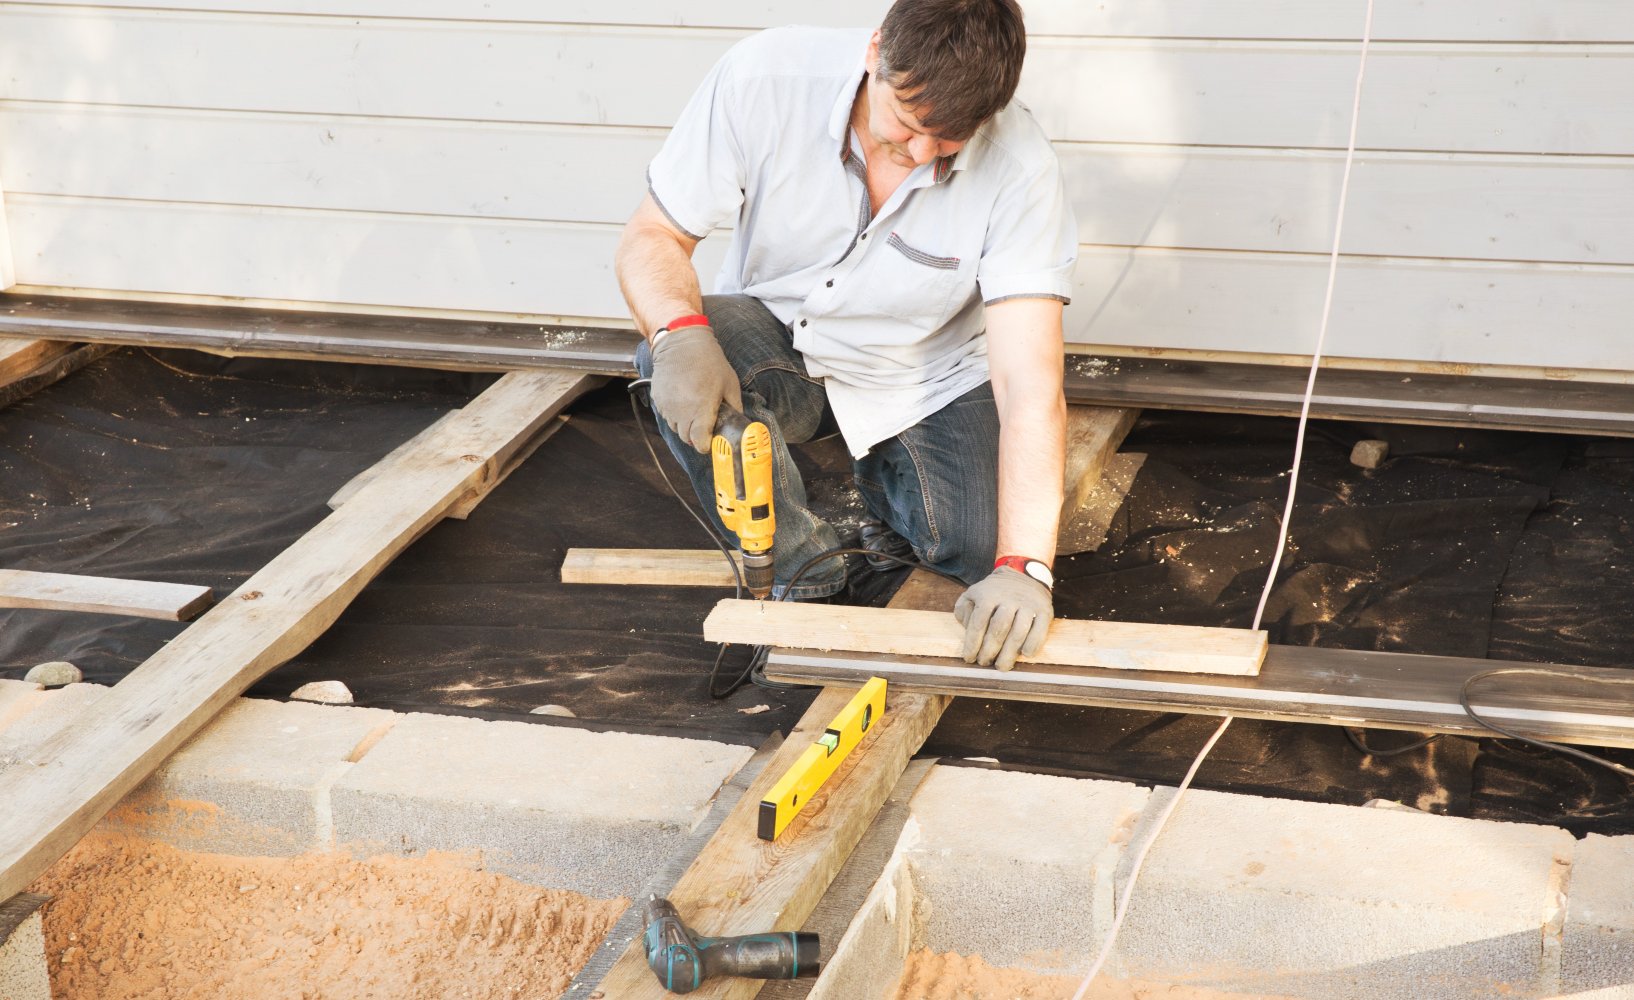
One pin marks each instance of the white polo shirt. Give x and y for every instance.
(887, 311)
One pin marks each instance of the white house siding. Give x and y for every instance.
(481, 155)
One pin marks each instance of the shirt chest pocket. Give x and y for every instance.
(913, 284)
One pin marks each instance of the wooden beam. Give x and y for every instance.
(462, 509)
(79, 773)
(740, 884)
(451, 344)
(176, 602)
(54, 361)
(1088, 527)
(895, 631)
(1093, 435)
(652, 567)
(1343, 687)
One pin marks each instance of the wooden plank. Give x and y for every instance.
(1116, 645)
(176, 602)
(1463, 205)
(1086, 531)
(57, 361)
(1395, 20)
(1207, 92)
(19, 357)
(466, 504)
(1449, 400)
(649, 567)
(1093, 434)
(741, 884)
(1297, 684)
(83, 770)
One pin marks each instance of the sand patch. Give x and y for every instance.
(950, 976)
(134, 918)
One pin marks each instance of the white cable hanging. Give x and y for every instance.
(1122, 905)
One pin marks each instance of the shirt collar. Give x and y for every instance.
(839, 126)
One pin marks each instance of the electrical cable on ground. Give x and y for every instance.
(1121, 908)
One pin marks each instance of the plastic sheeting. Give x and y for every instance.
(187, 468)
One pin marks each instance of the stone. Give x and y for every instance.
(55, 674)
(1369, 454)
(323, 692)
(557, 710)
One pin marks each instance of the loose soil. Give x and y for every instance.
(951, 976)
(135, 919)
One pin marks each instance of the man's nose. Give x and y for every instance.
(922, 148)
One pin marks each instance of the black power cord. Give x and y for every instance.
(1464, 701)
(1354, 735)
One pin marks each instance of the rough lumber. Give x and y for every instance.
(29, 365)
(1117, 645)
(78, 774)
(1093, 435)
(655, 567)
(741, 884)
(466, 504)
(1342, 687)
(1087, 530)
(176, 602)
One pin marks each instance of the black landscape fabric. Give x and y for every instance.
(183, 467)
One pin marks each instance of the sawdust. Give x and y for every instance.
(928, 975)
(133, 918)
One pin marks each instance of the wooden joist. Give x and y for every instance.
(740, 884)
(26, 366)
(1341, 687)
(1093, 435)
(1115, 645)
(176, 602)
(78, 774)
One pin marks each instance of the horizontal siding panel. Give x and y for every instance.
(353, 258)
(1519, 99)
(1564, 316)
(1394, 20)
(544, 172)
(1523, 99)
(1491, 313)
(1564, 209)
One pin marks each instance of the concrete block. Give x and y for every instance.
(592, 812)
(1016, 866)
(1305, 899)
(255, 781)
(23, 973)
(1597, 940)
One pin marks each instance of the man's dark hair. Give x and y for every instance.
(956, 62)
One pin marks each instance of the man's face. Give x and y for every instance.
(894, 126)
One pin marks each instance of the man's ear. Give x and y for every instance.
(873, 53)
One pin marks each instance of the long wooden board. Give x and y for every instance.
(649, 567)
(1115, 645)
(741, 884)
(1297, 684)
(26, 366)
(176, 602)
(83, 770)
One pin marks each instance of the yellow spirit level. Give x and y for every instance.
(800, 782)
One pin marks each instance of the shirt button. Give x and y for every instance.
(864, 235)
(802, 322)
(829, 283)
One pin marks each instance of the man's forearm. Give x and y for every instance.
(655, 273)
(1032, 467)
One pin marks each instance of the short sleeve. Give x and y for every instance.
(1032, 238)
(698, 176)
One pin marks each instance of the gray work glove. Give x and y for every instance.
(690, 380)
(1006, 615)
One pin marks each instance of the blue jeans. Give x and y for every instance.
(935, 484)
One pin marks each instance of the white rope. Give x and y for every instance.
(1122, 906)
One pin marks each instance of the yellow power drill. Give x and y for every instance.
(742, 454)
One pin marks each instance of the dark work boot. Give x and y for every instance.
(877, 536)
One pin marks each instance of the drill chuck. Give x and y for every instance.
(682, 960)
